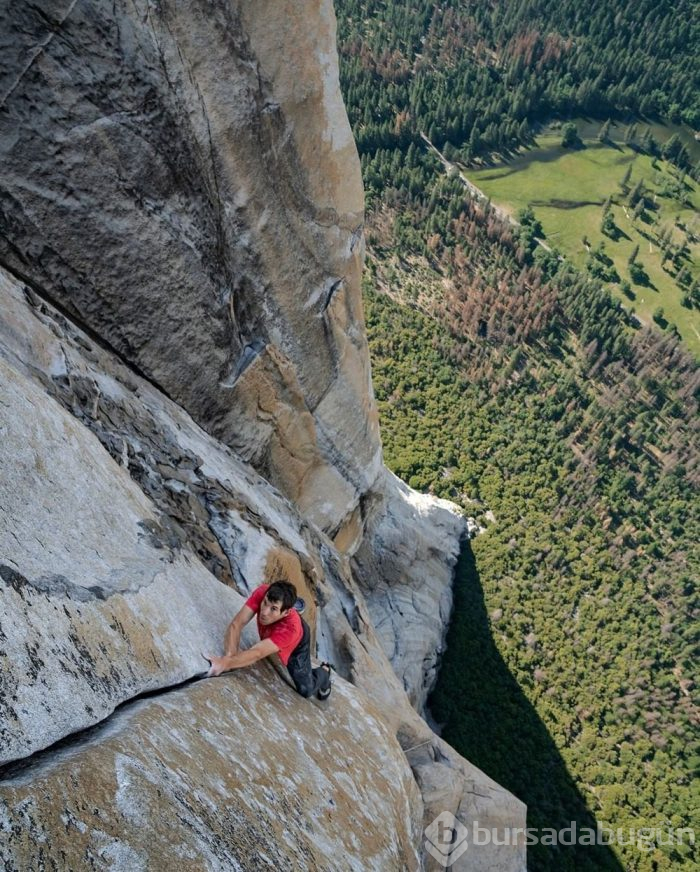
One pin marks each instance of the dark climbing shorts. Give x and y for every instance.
(307, 681)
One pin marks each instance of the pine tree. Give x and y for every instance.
(637, 192)
(569, 137)
(631, 134)
(648, 143)
(474, 141)
(671, 148)
(683, 157)
(683, 276)
(608, 226)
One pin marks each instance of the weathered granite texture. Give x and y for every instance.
(182, 178)
(404, 568)
(93, 618)
(227, 774)
(125, 494)
(103, 594)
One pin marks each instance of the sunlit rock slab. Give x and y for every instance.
(234, 773)
(97, 601)
(404, 568)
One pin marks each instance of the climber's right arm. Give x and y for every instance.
(232, 639)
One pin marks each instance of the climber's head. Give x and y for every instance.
(279, 599)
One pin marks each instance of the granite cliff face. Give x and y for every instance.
(186, 410)
(189, 190)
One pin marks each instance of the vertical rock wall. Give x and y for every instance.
(186, 400)
(183, 180)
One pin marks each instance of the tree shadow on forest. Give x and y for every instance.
(488, 719)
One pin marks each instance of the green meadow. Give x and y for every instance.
(568, 189)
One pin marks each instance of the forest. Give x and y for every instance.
(513, 383)
(480, 75)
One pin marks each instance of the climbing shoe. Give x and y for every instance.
(325, 691)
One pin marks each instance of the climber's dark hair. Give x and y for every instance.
(282, 592)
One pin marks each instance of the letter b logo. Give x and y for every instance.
(446, 839)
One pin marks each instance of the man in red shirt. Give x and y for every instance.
(282, 631)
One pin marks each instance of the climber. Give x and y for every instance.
(282, 631)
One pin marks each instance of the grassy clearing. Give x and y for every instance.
(567, 190)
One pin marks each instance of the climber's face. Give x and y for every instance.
(271, 611)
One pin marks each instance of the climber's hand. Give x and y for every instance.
(217, 665)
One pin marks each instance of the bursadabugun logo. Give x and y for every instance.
(446, 839)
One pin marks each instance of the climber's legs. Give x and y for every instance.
(307, 680)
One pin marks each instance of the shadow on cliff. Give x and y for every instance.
(488, 719)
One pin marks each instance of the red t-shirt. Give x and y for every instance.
(285, 633)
